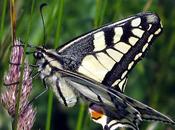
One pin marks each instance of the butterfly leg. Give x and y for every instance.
(18, 64)
(14, 83)
(46, 89)
(34, 75)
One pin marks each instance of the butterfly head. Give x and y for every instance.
(47, 60)
(39, 55)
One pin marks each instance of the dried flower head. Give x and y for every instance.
(12, 79)
(26, 119)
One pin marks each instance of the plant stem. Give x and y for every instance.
(3, 19)
(80, 117)
(50, 98)
(49, 110)
(59, 22)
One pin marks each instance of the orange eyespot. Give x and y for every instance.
(96, 115)
(96, 112)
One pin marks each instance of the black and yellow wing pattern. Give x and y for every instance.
(96, 66)
(109, 53)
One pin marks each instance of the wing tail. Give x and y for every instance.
(148, 113)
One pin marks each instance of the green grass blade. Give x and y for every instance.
(59, 22)
(104, 5)
(30, 21)
(96, 21)
(49, 110)
(81, 117)
(3, 19)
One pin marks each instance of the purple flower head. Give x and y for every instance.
(12, 79)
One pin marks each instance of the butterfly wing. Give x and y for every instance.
(120, 111)
(109, 53)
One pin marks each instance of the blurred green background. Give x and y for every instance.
(151, 81)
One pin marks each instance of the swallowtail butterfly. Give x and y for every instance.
(95, 66)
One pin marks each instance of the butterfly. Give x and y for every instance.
(95, 67)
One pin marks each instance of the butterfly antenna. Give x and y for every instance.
(41, 12)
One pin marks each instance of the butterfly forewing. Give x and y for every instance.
(109, 53)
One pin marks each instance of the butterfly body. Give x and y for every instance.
(96, 65)
(48, 59)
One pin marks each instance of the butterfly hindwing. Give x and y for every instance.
(100, 95)
(109, 53)
(119, 111)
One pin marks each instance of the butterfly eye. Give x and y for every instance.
(38, 55)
